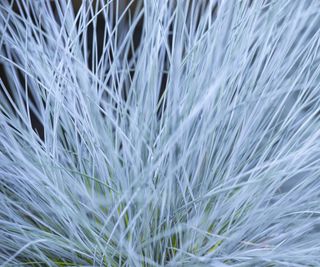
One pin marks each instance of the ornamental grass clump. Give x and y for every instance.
(160, 133)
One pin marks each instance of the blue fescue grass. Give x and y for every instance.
(152, 133)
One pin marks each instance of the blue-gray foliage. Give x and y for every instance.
(175, 132)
